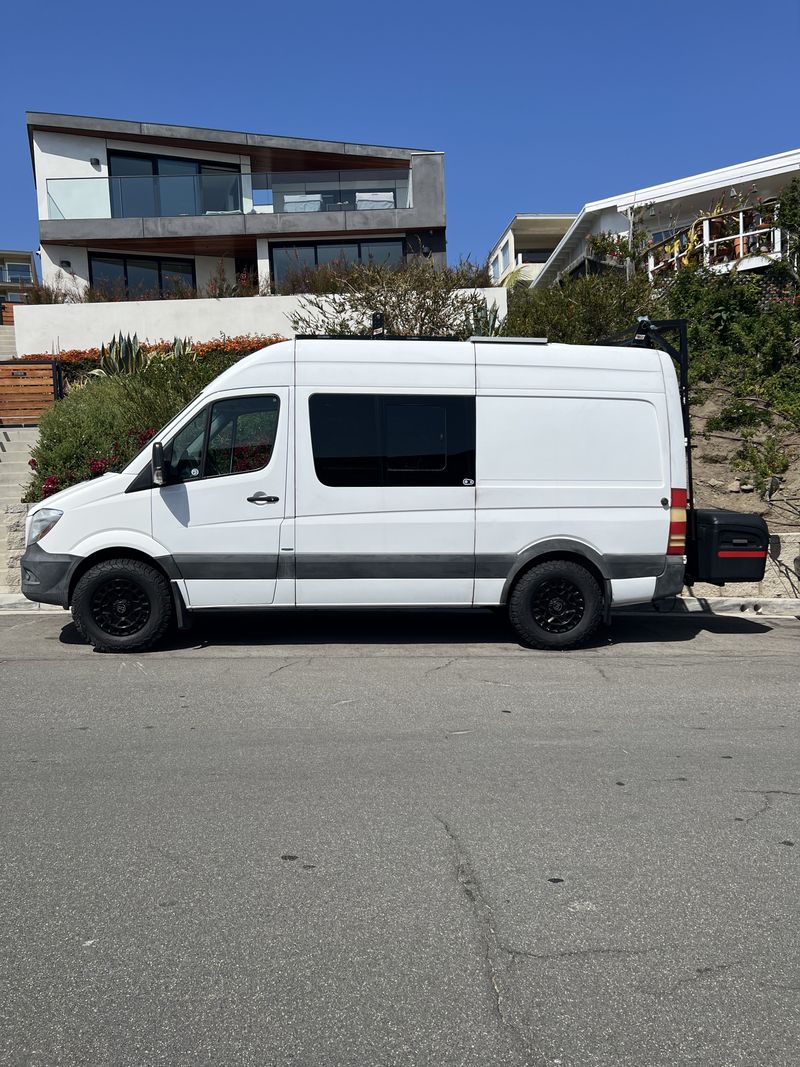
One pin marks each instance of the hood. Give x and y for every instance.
(86, 492)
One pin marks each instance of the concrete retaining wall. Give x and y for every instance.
(46, 329)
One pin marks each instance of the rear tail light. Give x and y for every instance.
(676, 543)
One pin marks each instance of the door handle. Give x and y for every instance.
(262, 498)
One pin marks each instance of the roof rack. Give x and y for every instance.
(369, 337)
(418, 337)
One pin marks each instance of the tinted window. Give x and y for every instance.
(241, 435)
(229, 437)
(183, 456)
(345, 437)
(361, 440)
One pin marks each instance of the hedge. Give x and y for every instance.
(103, 422)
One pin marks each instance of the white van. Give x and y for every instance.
(548, 479)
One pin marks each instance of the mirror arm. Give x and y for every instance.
(157, 464)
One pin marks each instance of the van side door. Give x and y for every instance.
(221, 513)
(385, 496)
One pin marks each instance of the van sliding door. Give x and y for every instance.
(385, 497)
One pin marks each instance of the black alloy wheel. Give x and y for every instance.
(556, 604)
(122, 605)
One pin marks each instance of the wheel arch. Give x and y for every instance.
(164, 564)
(559, 549)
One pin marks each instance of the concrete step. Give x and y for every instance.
(11, 465)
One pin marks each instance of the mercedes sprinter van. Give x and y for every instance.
(548, 479)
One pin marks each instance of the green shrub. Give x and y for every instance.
(416, 298)
(582, 310)
(102, 424)
(739, 415)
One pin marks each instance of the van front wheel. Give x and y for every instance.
(557, 604)
(122, 605)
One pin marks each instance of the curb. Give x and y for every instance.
(718, 605)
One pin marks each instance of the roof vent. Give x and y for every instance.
(511, 340)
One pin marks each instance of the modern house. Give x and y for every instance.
(17, 274)
(526, 245)
(720, 218)
(144, 208)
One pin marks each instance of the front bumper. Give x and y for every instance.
(46, 575)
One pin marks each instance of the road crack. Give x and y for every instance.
(701, 973)
(766, 795)
(441, 667)
(291, 663)
(493, 951)
(498, 957)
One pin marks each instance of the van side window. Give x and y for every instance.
(363, 439)
(229, 437)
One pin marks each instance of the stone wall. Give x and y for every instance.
(12, 521)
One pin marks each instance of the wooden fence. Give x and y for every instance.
(26, 390)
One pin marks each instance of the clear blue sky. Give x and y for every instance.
(537, 106)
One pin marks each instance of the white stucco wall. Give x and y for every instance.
(77, 275)
(206, 268)
(46, 329)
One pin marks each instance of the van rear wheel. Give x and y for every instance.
(122, 605)
(557, 604)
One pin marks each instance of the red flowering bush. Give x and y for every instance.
(76, 363)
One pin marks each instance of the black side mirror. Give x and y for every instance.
(157, 464)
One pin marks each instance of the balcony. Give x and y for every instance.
(746, 238)
(193, 195)
(16, 275)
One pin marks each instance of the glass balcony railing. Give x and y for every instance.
(16, 275)
(172, 196)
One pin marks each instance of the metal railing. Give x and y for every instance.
(15, 277)
(175, 195)
(719, 241)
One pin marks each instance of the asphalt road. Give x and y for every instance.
(329, 839)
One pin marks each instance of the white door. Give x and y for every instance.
(220, 516)
(385, 510)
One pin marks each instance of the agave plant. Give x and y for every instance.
(487, 321)
(181, 349)
(124, 355)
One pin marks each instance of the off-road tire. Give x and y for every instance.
(102, 597)
(568, 586)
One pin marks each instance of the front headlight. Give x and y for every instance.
(42, 523)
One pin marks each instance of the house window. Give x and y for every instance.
(385, 440)
(288, 259)
(495, 269)
(504, 260)
(144, 186)
(19, 273)
(140, 276)
(531, 256)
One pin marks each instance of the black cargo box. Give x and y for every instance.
(725, 546)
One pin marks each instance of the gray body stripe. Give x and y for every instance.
(232, 567)
(385, 566)
(227, 566)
